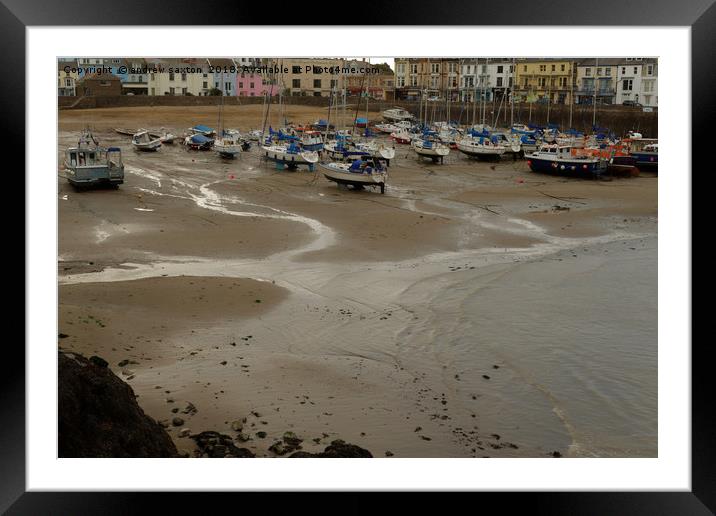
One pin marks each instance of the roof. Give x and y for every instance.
(221, 62)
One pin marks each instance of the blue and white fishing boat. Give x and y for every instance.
(358, 174)
(553, 158)
(341, 149)
(88, 165)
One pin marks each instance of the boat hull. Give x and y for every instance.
(646, 160)
(571, 167)
(484, 153)
(354, 179)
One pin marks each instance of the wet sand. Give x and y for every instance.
(371, 326)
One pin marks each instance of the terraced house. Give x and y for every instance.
(486, 78)
(180, 77)
(545, 80)
(434, 77)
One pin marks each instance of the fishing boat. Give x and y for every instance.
(396, 115)
(480, 147)
(198, 142)
(144, 142)
(554, 158)
(311, 141)
(93, 165)
(291, 155)
(645, 152)
(430, 148)
(358, 174)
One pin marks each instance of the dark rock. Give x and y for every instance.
(99, 361)
(486, 377)
(123, 363)
(389, 453)
(261, 434)
(338, 449)
(62, 335)
(215, 445)
(291, 439)
(177, 421)
(556, 454)
(98, 415)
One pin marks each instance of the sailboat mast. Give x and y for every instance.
(512, 95)
(594, 107)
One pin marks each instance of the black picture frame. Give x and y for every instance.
(700, 15)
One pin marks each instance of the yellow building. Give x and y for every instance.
(67, 77)
(179, 76)
(312, 76)
(548, 79)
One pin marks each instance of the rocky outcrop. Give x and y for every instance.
(338, 449)
(98, 415)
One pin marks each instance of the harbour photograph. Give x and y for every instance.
(357, 257)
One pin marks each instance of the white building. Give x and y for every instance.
(494, 78)
(637, 80)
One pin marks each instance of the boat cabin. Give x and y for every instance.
(94, 165)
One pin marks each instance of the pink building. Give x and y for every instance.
(252, 85)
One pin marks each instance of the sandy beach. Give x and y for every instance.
(474, 310)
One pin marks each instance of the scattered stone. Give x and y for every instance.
(184, 432)
(556, 454)
(216, 445)
(62, 335)
(123, 363)
(486, 377)
(337, 449)
(291, 439)
(389, 453)
(237, 426)
(261, 434)
(177, 421)
(223, 362)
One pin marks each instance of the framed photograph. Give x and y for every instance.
(439, 244)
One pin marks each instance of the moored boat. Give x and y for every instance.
(396, 114)
(480, 147)
(92, 165)
(430, 148)
(144, 142)
(198, 142)
(291, 155)
(554, 158)
(358, 174)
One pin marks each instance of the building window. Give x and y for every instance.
(183, 91)
(296, 83)
(636, 70)
(542, 68)
(171, 76)
(599, 71)
(627, 85)
(171, 91)
(316, 83)
(251, 85)
(607, 71)
(241, 85)
(650, 70)
(587, 72)
(435, 68)
(623, 70)
(183, 77)
(499, 82)
(562, 67)
(554, 68)
(499, 69)
(227, 86)
(525, 68)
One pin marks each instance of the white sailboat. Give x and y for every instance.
(144, 142)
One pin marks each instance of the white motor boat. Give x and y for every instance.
(397, 114)
(480, 147)
(357, 174)
(430, 149)
(144, 142)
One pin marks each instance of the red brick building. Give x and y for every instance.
(100, 85)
